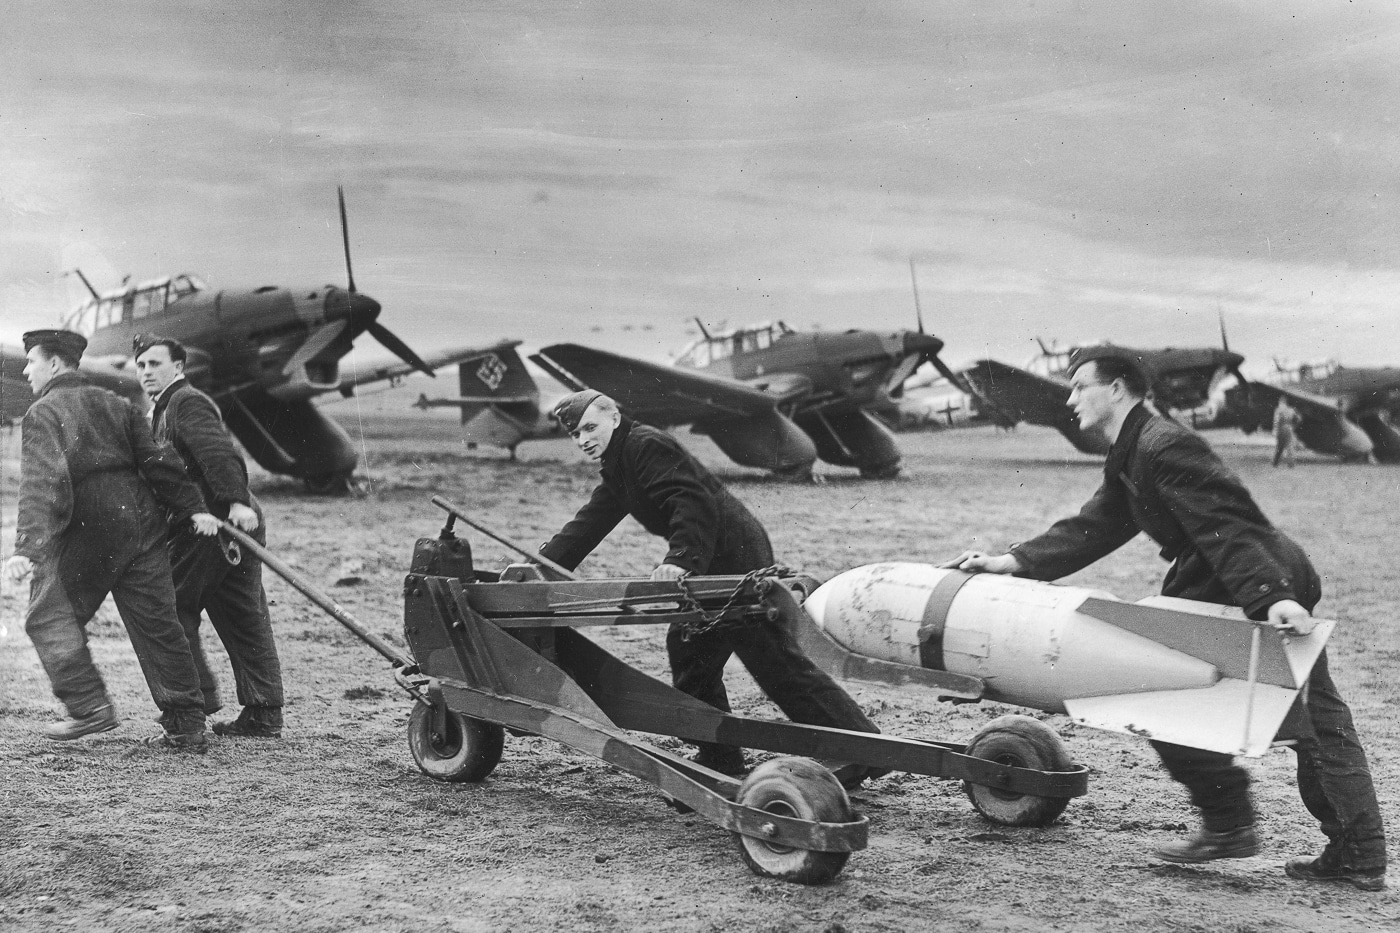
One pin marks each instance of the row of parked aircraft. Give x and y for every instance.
(769, 396)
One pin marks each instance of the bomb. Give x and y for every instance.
(1192, 673)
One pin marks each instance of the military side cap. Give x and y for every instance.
(143, 342)
(61, 341)
(569, 410)
(1107, 351)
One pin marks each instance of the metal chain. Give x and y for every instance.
(711, 621)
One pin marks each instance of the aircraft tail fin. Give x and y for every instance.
(498, 400)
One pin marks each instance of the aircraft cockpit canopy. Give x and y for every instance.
(133, 302)
(721, 345)
(1302, 372)
(1050, 362)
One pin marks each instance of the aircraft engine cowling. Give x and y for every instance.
(767, 441)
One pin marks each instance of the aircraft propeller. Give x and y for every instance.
(931, 353)
(387, 338)
(918, 311)
(1234, 368)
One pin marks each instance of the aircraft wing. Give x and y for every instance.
(656, 394)
(1018, 394)
(1308, 404)
(1324, 425)
(397, 371)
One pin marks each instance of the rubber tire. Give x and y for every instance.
(1021, 742)
(328, 484)
(469, 752)
(797, 787)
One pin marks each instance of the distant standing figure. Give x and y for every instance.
(646, 473)
(1163, 479)
(1285, 423)
(89, 525)
(205, 580)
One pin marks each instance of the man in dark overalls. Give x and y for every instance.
(647, 474)
(89, 524)
(205, 580)
(1163, 479)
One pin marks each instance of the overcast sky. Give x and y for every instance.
(604, 172)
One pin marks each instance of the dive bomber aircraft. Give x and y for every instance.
(1181, 380)
(1344, 412)
(263, 354)
(769, 396)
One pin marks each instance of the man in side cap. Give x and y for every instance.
(205, 580)
(647, 474)
(88, 525)
(1163, 479)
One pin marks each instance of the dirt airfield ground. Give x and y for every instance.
(334, 828)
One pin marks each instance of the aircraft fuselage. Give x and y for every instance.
(854, 368)
(261, 353)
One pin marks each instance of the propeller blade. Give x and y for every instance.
(918, 311)
(398, 347)
(345, 237)
(1224, 340)
(965, 386)
(957, 381)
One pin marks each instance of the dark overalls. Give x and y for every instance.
(89, 520)
(647, 474)
(205, 581)
(1164, 480)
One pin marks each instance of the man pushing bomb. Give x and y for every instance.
(647, 474)
(1163, 479)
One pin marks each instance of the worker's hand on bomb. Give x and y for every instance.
(205, 524)
(978, 562)
(242, 517)
(17, 567)
(1288, 616)
(667, 572)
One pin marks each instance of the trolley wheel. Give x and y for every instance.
(468, 750)
(801, 788)
(1021, 742)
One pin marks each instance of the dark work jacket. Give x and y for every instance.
(188, 420)
(1164, 480)
(88, 462)
(647, 474)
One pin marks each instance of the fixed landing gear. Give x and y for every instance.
(329, 484)
(886, 471)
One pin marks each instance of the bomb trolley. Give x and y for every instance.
(498, 653)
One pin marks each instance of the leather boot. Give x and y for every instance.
(254, 722)
(1207, 846)
(1317, 869)
(102, 719)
